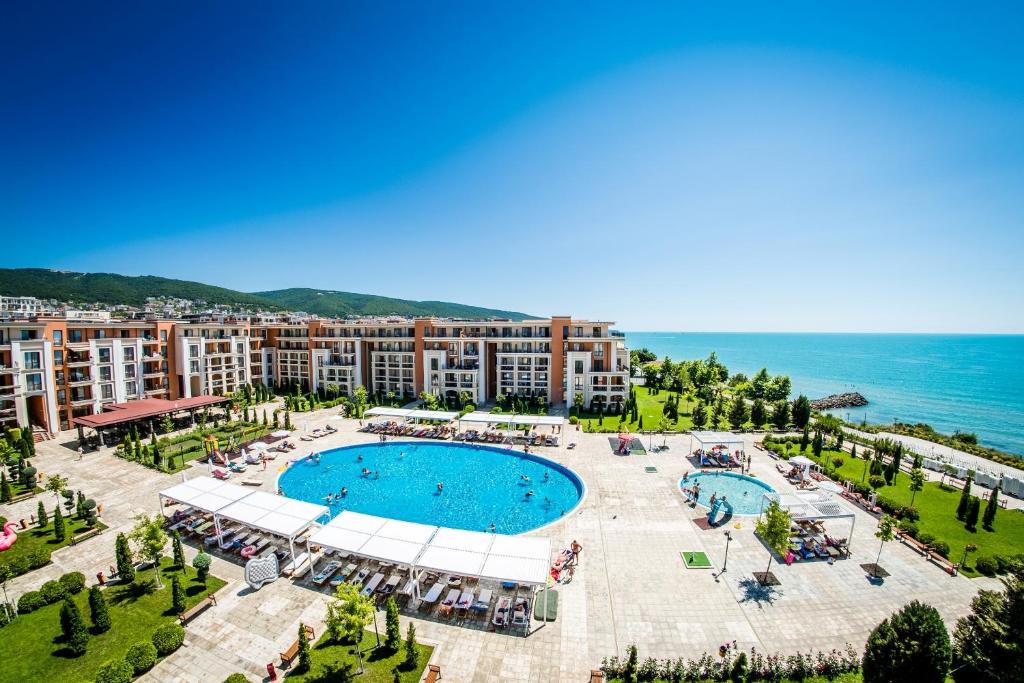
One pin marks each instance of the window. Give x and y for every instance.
(58, 357)
(129, 371)
(101, 334)
(131, 388)
(26, 335)
(129, 353)
(579, 332)
(579, 367)
(106, 391)
(193, 367)
(104, 355)
(193, 352)
(163, 335)
(34, 382)
(60, 377)
(124, 334)
(105, 374)
(58, 337)
(239, 348)
(163, 351)
(61, 396)
(74, 336)
(31, 360)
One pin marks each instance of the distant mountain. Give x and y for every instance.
(110, 288)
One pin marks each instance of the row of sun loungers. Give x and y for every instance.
(318, 433)
(473, 435)
(418, 431)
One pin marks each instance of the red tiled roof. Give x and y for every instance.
(147, 407)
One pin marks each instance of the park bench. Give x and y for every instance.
(85, 535)
(433, 673)
(196, 609)
(293, 650)
(596, 676)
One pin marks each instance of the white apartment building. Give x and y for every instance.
(213, 358)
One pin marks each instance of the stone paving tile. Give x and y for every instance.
(631, 585)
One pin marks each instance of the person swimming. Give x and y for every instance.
(359, 458)
(523, 477)
(366, 471)
(529, 494)
(440, 486)
(344, 491)
(492, 528)
(547, 475)
(330, 497)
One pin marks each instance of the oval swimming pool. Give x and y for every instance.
(483, 485)
(742, 492)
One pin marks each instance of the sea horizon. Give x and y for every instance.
(951, 381)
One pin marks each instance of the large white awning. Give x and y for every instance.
(499, 418)
(379, 538)
(717, 438)
(205, 493)
(383, 411)
(274, 514)
(445, 415)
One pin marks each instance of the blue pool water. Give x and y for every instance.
(482, 485)
(742, 492)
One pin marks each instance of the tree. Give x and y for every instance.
(758, 413)
(123, 559)
(738, 413)
(6, 493)
(801, 411)
(56, 484)
(59, 532)
(817, 444)
(988, 643)
(412, 655)
(780, 415)
(699, 416)
(202, 562)
(178, 552)
(805, 439)
(392, 629)
(965, 498)
(629, 670)
(157, 461)
(886, 527)
(348, 614)
(41, 514)
(916, 482)
(177, 595)
(287, 420)
(911, 645)
(990, 510)
(98, 614)
(305, 658)
(72, 626)
(894, 467)
(973, 510)
(359, 400)
(167, 424)
(773, 528)
(150, 539)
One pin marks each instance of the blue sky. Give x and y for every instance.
(671, 167)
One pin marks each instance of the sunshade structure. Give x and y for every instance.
(803, 462)
(378, 538)
(383, 411)
(204, 493)
(499, 418)
(812, 505)
(712, 439)
(435, 415)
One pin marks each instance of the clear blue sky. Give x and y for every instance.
(672, 167)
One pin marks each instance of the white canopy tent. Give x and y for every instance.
(384, 411)
(499, 418)
(811, 505)
(378, 538)
(437, 415)
(272, 514)
(803, 462)
(204, 493)
(712, 439)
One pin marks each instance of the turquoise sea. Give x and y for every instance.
(974, 383)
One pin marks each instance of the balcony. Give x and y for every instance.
(153, 374)
(8, 370)
(81, 401)
(156, 391)
(74, 379)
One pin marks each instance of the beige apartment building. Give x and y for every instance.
(55, 369)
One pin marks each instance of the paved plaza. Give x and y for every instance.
(631, 585)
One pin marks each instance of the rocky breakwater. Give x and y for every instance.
(848, 400)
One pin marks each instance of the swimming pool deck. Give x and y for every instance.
(630, 587)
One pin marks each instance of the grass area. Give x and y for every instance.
(937, 507)
(176, 455)
(37, 539)
(33, 650)
(841, 678)
(650, 409)
(379, 665)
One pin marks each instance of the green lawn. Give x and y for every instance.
(379, 665)
(191, 448)
(842, 678)
(32, 649)
(35, 538)
(650, 408)
(937, 507)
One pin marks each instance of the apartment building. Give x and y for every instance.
(55, 369)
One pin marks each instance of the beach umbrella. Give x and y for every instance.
(280, 434)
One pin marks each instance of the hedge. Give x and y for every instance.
(168, 638)
(73, 582)
(115, 671)
(141, 657)
(30, 602)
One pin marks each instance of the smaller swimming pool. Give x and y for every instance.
(742, 492)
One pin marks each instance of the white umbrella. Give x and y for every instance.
(281, 433)
(830, 486)
(257, 446)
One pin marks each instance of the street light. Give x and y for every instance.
(725, 562)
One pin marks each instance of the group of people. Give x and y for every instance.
(564, 566)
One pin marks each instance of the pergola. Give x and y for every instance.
(498, 418)
(712, 439)
(410, 414)
(148, 410)
(810, 505)
(204, 493)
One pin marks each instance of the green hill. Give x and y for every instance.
(340, 304)
(110, 288)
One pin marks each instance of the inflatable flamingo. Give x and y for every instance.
(9, 536)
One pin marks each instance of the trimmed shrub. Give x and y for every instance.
(876, 481)
(908, 527)
(926, 538)
(98, 613)
(987, 565)
(114, 671)
(73, 582)
(141, 657)
(168, 638)
(236, 678)
(942, 548)
(53, 591)
(72, 627)
(177, 596)
(912, 645)
(30, 602)
(1004, 563)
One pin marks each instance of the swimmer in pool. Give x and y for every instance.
(492, 528)
(344, 492)
(359, 458)
(366, 471)
(330, 497)
(440, 486)
(524, 477)
(529, 494)
(547, 475)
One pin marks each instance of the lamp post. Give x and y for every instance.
(725, 562)
(375, 632)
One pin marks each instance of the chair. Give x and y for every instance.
(466, 601)
(327, 572)
(433, 593)
(360, 577)
(372, 585)
(482, 603)
(296, 562)
(449, 602)
(520, 615)
(501, 611)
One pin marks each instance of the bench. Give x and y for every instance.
(293, 650)
(596, 676)
(433, 673)
(196, 609)
(85, 535)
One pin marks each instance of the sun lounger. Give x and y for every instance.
(465, 600)
(294, 564)
(340, 577)
(520, 615)
(220, 474)
(392, 583)
(372, 585)
(303, 569)
(360, 577)
(483, 603)
(501, 612)
(202, 528)
(449, 602)
(252, 481)
(320, 578)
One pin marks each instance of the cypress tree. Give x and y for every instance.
(287, 420)
(971, 520)
(805, 439)
(178, 551)
(98, 614)
(41, 513)
(393, 630)
(304, 656)
(157, 462)
(59, 531)
(817, 444)
(177, 595)
(72, 626)
(965, 498)
(990, 509)
(123, 559)
(6, 493)
(412, 657)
